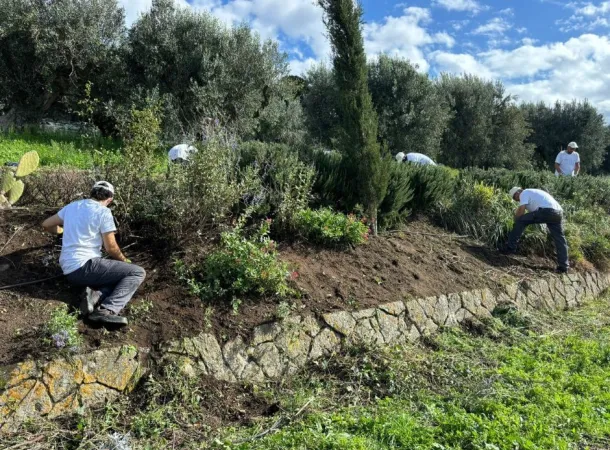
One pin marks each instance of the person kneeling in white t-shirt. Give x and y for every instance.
(541, 207)
(87, 225)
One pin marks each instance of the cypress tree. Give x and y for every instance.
(364, 173)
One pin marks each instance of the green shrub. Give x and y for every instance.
(61, 331)
(592, 228)
(479, 211)
(328, 187)
(415, 188)
(574, 239)
(169, 209)
(431, 185)
(286, 181)
(584, 191)
(398, 201)
(326, 227)
(241, 266)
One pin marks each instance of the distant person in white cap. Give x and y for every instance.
(567, 163)
(181, 153)
(108, 284)
(415, 158)
(541, 207)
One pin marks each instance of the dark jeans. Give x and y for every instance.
(554, 222)
(115, 281)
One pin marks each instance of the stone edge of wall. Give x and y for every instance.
(277, 349)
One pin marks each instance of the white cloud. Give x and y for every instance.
(459, 24)
(578, 68)
(507, 12)
(587, 16)
(594, 10)
(528, 41)
(404, 36)
(301, 66)
(299, 20)
(460, 64)
(495, 26)
(460, 5)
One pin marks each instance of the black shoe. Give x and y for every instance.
(561, 270)
(507, 251)
(103, 315)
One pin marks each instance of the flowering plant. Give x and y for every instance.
(61, 331)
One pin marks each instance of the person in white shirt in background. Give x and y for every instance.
(541, 207)
(181, 153)
(567, 163)
(415, 158)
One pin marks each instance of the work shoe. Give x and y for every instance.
(88, 301)
(103, 315)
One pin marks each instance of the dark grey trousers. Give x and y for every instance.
(554, 222)
(116, 281)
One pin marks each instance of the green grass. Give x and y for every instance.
(55, 148)
(66, 149)
(543, 387)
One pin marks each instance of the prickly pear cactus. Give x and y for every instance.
(8, 181)
(27, 164)
(16, 192)
(12, 189)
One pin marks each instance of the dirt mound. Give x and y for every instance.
(421, 261)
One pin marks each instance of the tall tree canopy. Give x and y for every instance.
(486, 128)
(553, 127)
(412, 115)
(365, 178)
(202, 67)
(50, 49)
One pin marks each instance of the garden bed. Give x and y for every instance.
(422, 261)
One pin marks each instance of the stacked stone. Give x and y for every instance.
(275, 349)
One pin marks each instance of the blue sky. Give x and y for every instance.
(541, 49)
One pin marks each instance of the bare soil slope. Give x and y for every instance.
(421, 261)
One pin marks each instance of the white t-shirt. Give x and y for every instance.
(419, 158)
(182, 151)
(567, 163)
(537, 198)
(84, 223)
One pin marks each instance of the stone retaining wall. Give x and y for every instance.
(277, 349)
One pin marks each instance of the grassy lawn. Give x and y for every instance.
(55, 148)
(540, 382)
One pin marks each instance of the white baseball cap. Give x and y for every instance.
(104, 185)
(572, 145)
(400, 156)
(513, 191)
